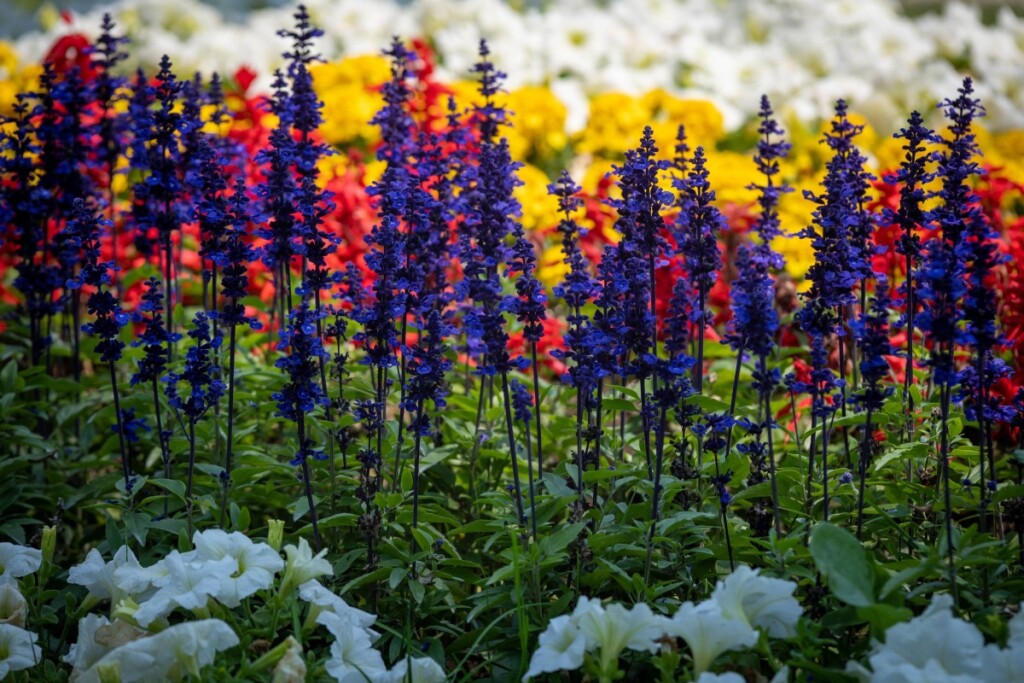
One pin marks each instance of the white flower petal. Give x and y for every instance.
(760, 601)
(17, 561)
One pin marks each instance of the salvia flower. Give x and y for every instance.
(201, 374)
(155, 339)
(943, 287)
(873, 336)
(233, 257)
(840, 256)
(299, 339)
(425, 372)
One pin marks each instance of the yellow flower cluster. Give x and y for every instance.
(14, 78)
(349, 89)
(617, 119)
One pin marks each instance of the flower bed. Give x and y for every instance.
(692, 387)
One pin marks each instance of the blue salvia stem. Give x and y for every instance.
(202, 376)
(913, 176)
(156, 342)
(873, 336)
(755, 321)
(524, 413)
(106, 56)
(641, 223)
(106, 309)
(233, 259)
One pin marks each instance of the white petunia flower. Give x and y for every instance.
(257, 563)
(760, 601)
(727, 677)
(353, 659)
(934, 642)
(314, 593)
(13, 607)
(18, 649)
(86, 651)
(615, 629)
(708, 632)
(291, 668)
(187, 584)
(1002, 664)
(17, 561)
(96, 637)
(560, 646)
(416, 670)
(303, 565)
(114, 580)
(171, 655)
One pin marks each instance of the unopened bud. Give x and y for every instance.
(275, 534)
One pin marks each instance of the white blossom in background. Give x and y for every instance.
(96, 637)
(258, 563)
(560, 646)
(727, 677)
(171, 655)
(416, 670)
(291, 668)
(17, 561)
(804, 53)
(353, 659)
(86, 651)
(759, 601)
(592, 627)
(303, 565)
(708, 632)
(188, 584)
(938, 646)
(614, 629)
(314, 593)
(115, 580)
(13, 607)
(18, 649)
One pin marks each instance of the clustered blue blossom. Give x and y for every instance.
(426, 369)
(155, 338)
(201, 373)
(873, 336)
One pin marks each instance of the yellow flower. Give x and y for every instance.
(1007, 151)
(14, 80)
(540, 209)
(795, 214)
(8, 60)
(538, 118)
(347, 112)
(349, 91)
(552, 268)
(615, 124)
(365, 70)
(704, 123)
(730, 174)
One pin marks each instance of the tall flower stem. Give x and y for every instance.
(126, 467)
(944, 399)
(512, 451)
(226, 480)
(865, 456)
(190, 472)
(536, 403)
(165, 450)
(769, 428)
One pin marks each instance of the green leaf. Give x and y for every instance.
(560, 540)
(840, 557)
(882, 616)
(173, 486)
(417, 590)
